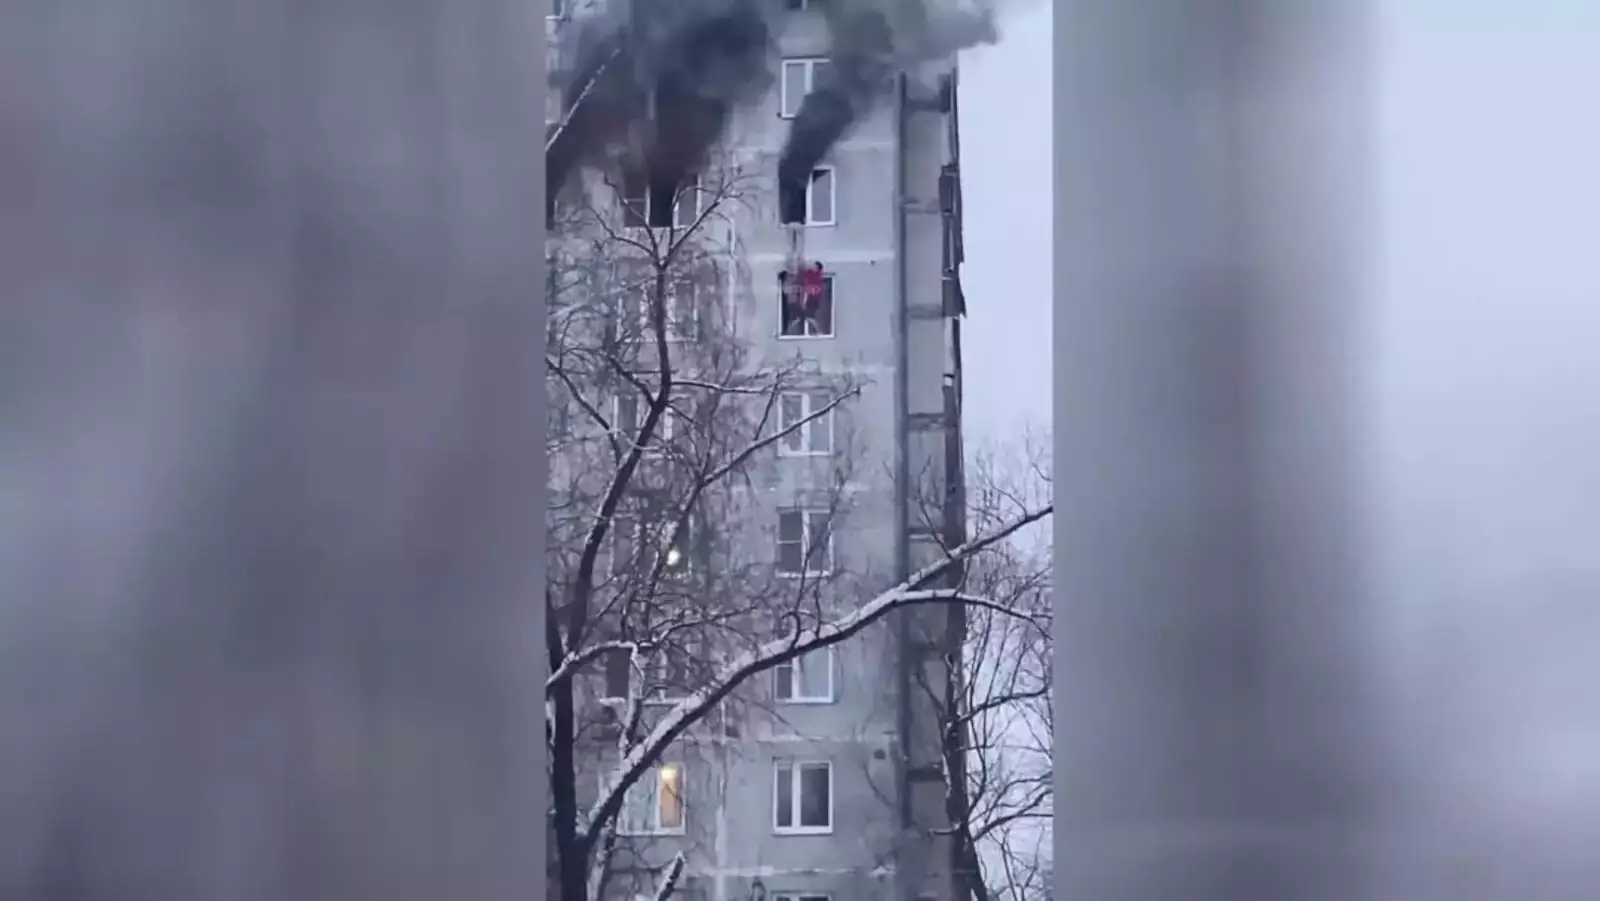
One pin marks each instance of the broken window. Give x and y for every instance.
(656, 202)
(806, 303)
(810, 202)
(800, 77)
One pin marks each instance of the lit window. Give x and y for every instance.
(654, 805)
(800, 77)
(804, 438)
(807, 679)
(634, 549)
(802, 797)
(805, 547)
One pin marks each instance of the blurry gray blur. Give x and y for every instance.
(270, 451)
(1330, 603)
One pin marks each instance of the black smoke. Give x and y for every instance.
(696, 61)
(861, 66)
(702, 59)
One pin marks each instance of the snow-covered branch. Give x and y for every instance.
(781, 650)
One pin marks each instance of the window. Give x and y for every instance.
(686, 205)
(670, 676)
(654, 804)
(800, 77)
(804, 546)
(813, 438)
(658, 203)
(628, 413)
(811, 202)
(618, 676)
(807, 679)
(805, 304)
(634, 548)
(802, 795)
(682, 300)
(797, 5)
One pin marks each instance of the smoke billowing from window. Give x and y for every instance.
(692, 62)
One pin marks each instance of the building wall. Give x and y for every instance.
(730, 838)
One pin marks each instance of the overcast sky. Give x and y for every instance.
(1006, 137)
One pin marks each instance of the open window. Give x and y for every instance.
(659, 202)
(806, 303)
(809, 202)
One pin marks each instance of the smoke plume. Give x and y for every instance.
(701, 59)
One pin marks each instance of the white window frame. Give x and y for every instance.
(658, 670)
(801, 896)
(630, 431)
(796, 766)
(806, 531)
(833, 197)
(821, 425)
(678, 220)
(693, 188)
(683, 323)
(824, 657)
(809, 65)
(831, 282)
(626, 825)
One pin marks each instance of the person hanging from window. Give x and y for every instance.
(803, 299)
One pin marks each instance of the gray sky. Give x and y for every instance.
(1006, 182)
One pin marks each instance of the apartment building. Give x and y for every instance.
(819, 780)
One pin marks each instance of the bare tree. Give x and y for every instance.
(667, 591)
(998, 715)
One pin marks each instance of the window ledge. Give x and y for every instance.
(802, 830)
(652, 833)
(805, 702)
(783, 337)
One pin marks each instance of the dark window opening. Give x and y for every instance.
(807, 201)
(792, 203)
(650, 200)
(663, 193)
(806, 303)
(619, 669)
